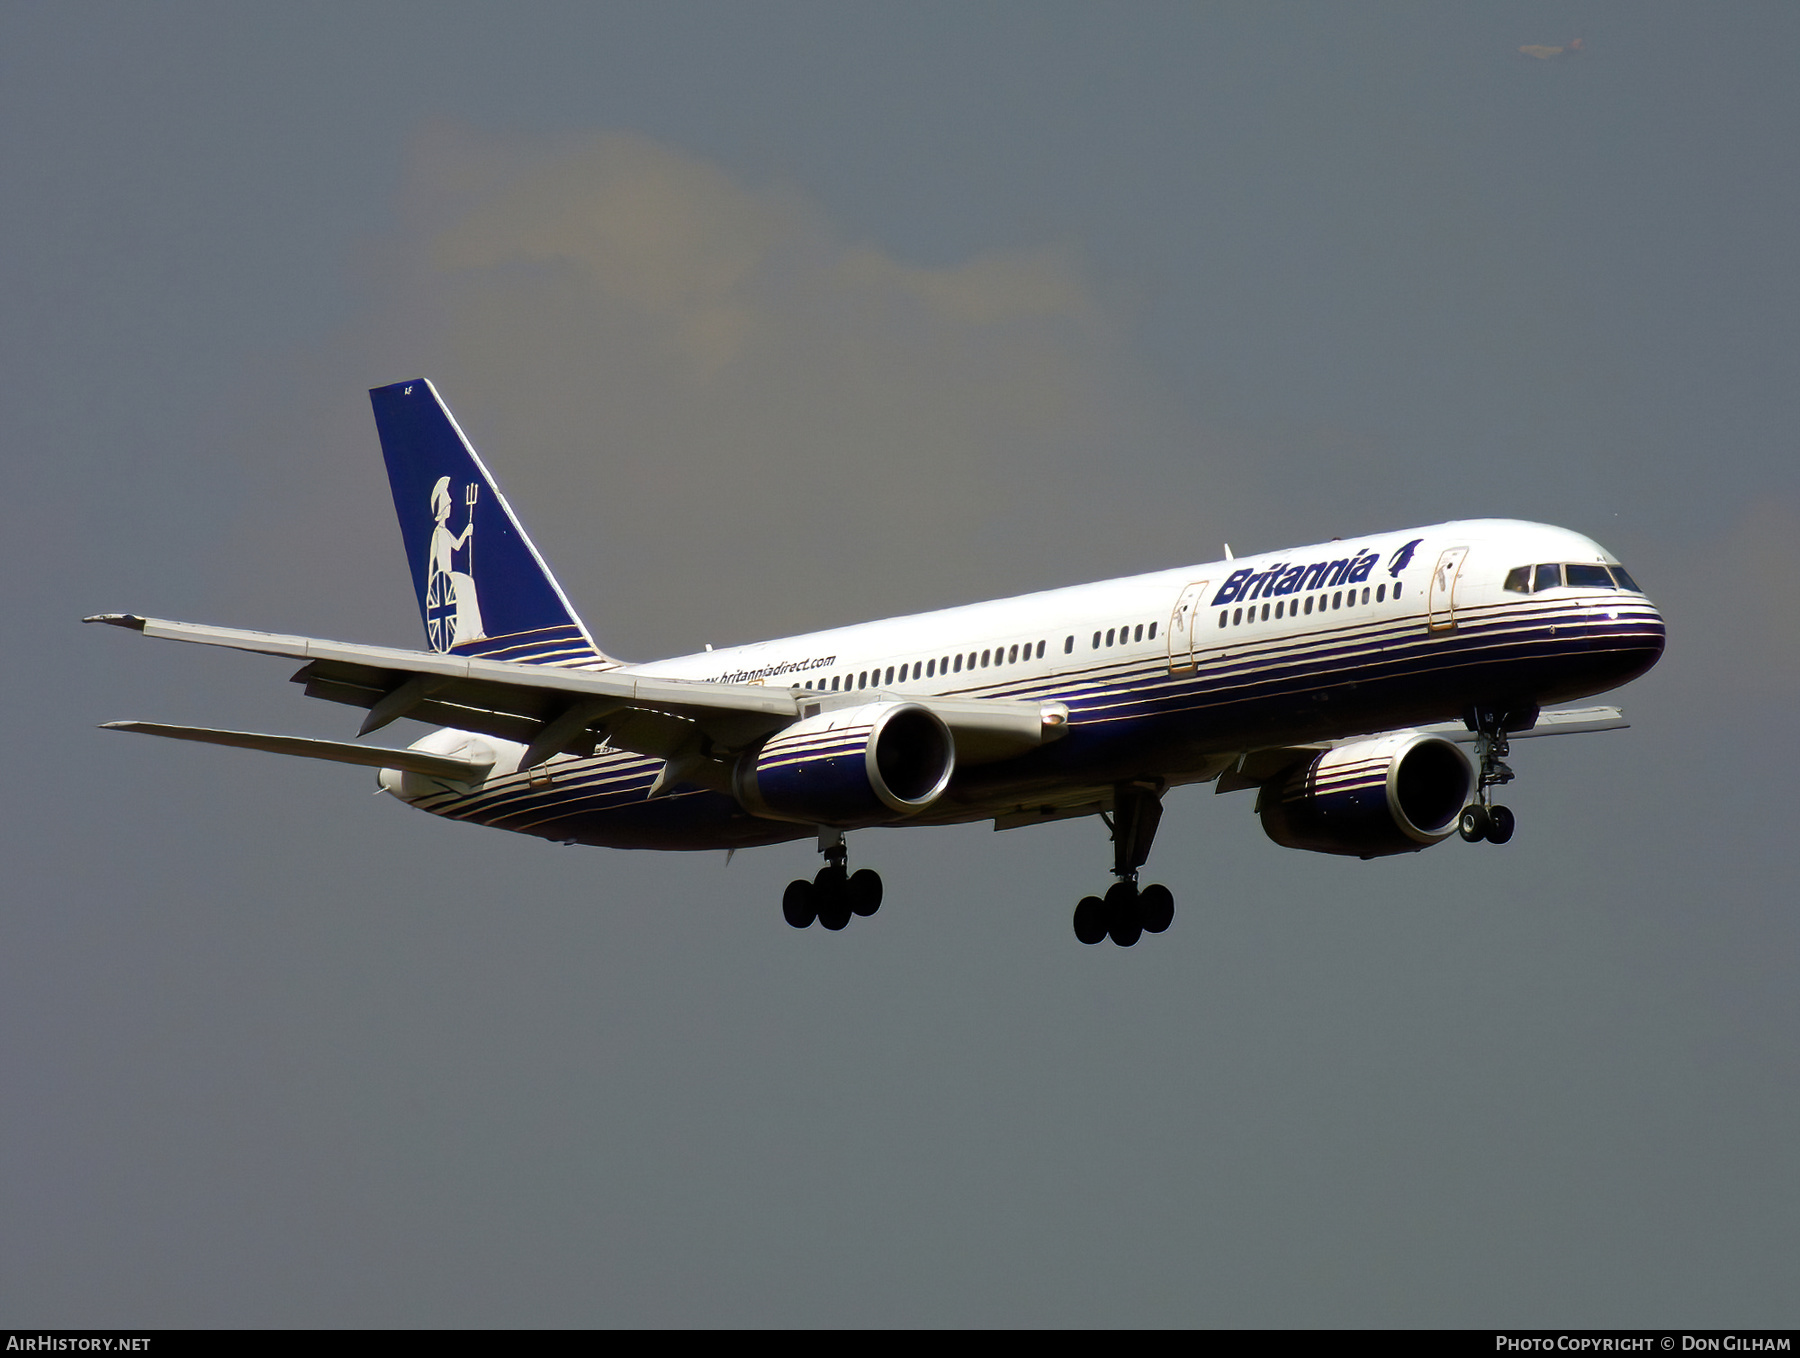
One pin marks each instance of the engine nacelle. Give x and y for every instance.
(866, 765)
(1395, 794)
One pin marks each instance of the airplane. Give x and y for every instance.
(1338, 681)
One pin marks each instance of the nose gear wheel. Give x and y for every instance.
(1482, 819)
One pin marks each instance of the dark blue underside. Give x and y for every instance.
(1135, 719)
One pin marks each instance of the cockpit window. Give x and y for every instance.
(1518, 580)
(1546, 577)
(1625, 581)
(1589, 577)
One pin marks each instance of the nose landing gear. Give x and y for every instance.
(1481, 819)
(1126, 913)
(835, 894)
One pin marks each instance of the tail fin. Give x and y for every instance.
(483, 590)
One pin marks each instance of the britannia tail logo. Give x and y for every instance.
(452, 609)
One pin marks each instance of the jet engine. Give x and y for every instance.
(867, 765)
(1371, 798)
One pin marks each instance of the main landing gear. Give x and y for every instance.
(1481, 819)
(1126, 913)
(836, 893)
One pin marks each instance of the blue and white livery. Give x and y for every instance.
(1340, 682)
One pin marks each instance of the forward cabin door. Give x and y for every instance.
(1183, 627)
(1440, 606)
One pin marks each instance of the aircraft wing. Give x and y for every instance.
(552, 710)
(1256, 767)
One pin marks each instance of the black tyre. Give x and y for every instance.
(831, 893)
(1156, 908)
(797, 906)
(1090, 919)
(1123, 921)
(865, 891)
(1473, 825)
(1500, 825)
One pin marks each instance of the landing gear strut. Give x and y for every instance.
(836, 893)
(1126, 913)
(1481, 819)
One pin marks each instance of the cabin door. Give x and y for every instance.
(1182, 627)
(1440, 606)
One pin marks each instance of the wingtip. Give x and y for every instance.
(131, 620)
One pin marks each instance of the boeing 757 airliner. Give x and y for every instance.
(1339, 681)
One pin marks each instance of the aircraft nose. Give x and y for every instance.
(1645, 634)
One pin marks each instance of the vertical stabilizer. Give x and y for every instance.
(483, 589)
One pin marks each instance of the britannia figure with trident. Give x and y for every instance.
(452, 611)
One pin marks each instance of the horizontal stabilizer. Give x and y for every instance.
(411, 761)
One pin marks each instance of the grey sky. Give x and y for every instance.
(779, 316)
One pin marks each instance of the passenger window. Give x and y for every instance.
(1109, 636)
(984, 660)
(1153, 631)
(1548, 576)
(944, 665)
(1396, 589)
(862, 680)
(1096, 641)
(1365, 594)
(1068, 645)
(931, 669)
(1625, 581)
(1137, 633)
(1589, 577)
(1040, 653)
(834, 680)
(1518, 580)
(1237, 616)
(1380, 593)
(1309, 599)
(890, 675)
(1337, 600)
(1012, 655)
(1222, 613)
(959, 664)
(1265, 617)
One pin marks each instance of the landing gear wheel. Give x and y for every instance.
(1156, 908)
(864, 892)
(832, 892)
(1500, 825)
(797, 904)
(1473, 826)
(1123, 921)
(1090, 919)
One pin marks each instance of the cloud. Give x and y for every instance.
(722, 418)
